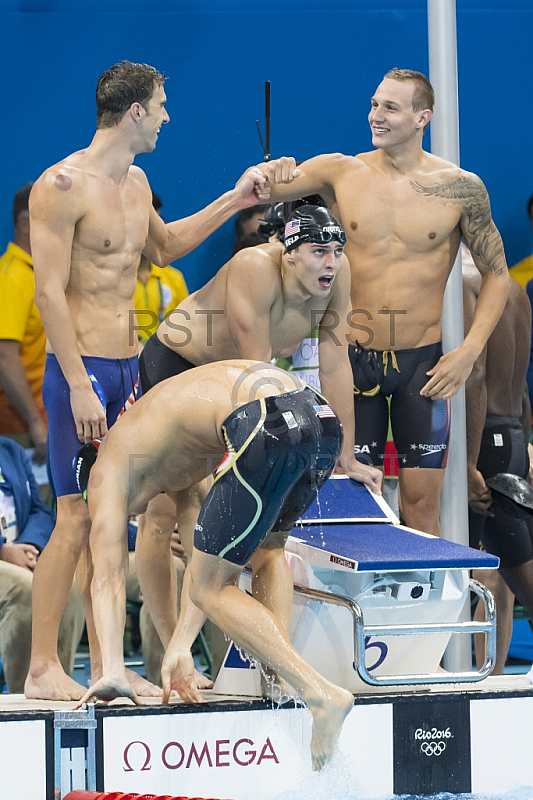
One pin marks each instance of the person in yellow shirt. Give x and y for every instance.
(159, 290)
(523, 271)
(22, 339)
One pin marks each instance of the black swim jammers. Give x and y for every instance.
(280, 452)
(158, 362)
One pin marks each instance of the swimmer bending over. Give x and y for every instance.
(280, 445)
(259, 305)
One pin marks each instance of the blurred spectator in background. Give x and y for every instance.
(523, 271)
(247, 233)
(22, 339)
(158, 290)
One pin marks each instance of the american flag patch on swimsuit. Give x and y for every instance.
(324, 411)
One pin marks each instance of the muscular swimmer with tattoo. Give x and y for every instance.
(404, 211)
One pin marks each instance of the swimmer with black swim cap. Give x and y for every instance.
(261, 305)
(312, 224)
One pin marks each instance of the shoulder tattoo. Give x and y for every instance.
(479, 230)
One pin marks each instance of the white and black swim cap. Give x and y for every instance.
(312, 224)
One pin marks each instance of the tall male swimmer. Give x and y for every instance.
(277, 441)
(263, 302)
(404, 212)
(91, 219)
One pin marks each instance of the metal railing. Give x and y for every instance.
(361, 631)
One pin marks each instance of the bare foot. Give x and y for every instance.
(52, 683)
(109, 688)
(202, 681)
(141, 686)
(328, 718)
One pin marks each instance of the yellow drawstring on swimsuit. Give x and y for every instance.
(377, 387)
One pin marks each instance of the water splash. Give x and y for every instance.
(335, 782)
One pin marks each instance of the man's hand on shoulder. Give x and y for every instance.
(449, 374)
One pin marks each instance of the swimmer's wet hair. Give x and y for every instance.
(122, 85)
(423, 95)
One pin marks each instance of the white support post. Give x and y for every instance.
(442, 43)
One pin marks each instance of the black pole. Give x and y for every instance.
(267, 120)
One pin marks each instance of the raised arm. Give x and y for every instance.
(167, 242)
(484, 241)
(286, 181)
(54, 214)
(336, 375)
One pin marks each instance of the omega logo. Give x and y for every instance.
(138, 756)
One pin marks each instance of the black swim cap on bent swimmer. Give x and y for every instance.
(312, 224)
(278, 214)
(83, 463)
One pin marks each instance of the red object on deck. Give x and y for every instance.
(82, 794)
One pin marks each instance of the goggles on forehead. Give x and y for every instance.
(326, 236)
(316, 237)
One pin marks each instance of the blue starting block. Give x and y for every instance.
(375, 602)
(344, 500)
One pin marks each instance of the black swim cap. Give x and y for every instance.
(311, 200)
(83, 464)
(312, 224)
(512, 495)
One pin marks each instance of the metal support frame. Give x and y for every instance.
(79, 720)
(361, 630)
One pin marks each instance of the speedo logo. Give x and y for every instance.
(431, 448)
(331, 228)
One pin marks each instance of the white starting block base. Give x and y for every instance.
(396, 576)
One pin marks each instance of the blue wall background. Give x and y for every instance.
(324, 60)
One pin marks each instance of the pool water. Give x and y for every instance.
(333, 783)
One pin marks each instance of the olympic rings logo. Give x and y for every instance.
(433, 748)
